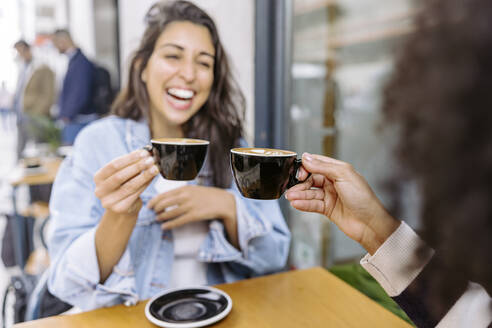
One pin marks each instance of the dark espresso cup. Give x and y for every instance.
(263, 173)
(178, 158)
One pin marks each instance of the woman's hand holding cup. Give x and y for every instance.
(118, 186)
(120, 182)
(336, 190)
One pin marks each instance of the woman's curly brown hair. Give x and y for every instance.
(441, 98)
(220, 120)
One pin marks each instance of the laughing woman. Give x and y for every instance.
(121, 232)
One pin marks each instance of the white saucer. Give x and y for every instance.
(188, 307)
(33, 170)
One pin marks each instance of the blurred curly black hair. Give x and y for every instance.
(441, 98)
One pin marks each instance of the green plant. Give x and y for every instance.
(43, 129)
(355, 275)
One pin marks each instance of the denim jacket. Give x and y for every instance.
(145, 266)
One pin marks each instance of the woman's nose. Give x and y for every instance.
(187, 71)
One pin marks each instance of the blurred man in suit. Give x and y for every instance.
(34, 96)
(76, 109)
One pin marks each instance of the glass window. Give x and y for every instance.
(342, 56)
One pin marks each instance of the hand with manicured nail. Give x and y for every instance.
(118, 186)
(336, 190)
(120, 182)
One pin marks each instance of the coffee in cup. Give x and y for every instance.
(264, 173)
(178, 158)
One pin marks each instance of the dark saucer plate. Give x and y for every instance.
(188, 307)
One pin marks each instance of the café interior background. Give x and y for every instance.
(336, 54)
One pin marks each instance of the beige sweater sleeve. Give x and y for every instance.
(394, 265)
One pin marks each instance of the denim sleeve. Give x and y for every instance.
(264, 238)
(75, 213)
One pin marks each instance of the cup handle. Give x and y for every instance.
(293, 180)
(151, 151)
(149, 148)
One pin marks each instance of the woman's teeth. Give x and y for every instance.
(181, 94)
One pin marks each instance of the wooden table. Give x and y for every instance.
(300, 299)
(50, 168)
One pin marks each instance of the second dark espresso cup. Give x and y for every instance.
(179, 158)
(264, 173)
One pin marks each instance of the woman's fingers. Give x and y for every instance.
(316, 206)
(324, 159)
(151, 203)
(129, 204)
(302, 174)
(122, 176)
(165, 203)
(173, 213)
(131, 187)
(166, 195)
(331, 168)
(137, 182)
(310, 194)
(315, 180)
(119, 163)
(307, 184)
(171, 224)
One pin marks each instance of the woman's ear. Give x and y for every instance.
(143, 76)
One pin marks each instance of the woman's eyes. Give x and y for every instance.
(177, 57)
(204, 64)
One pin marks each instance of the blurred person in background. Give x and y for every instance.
(121, 233)
(440, 98)
(34, 96)
(75, 102)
